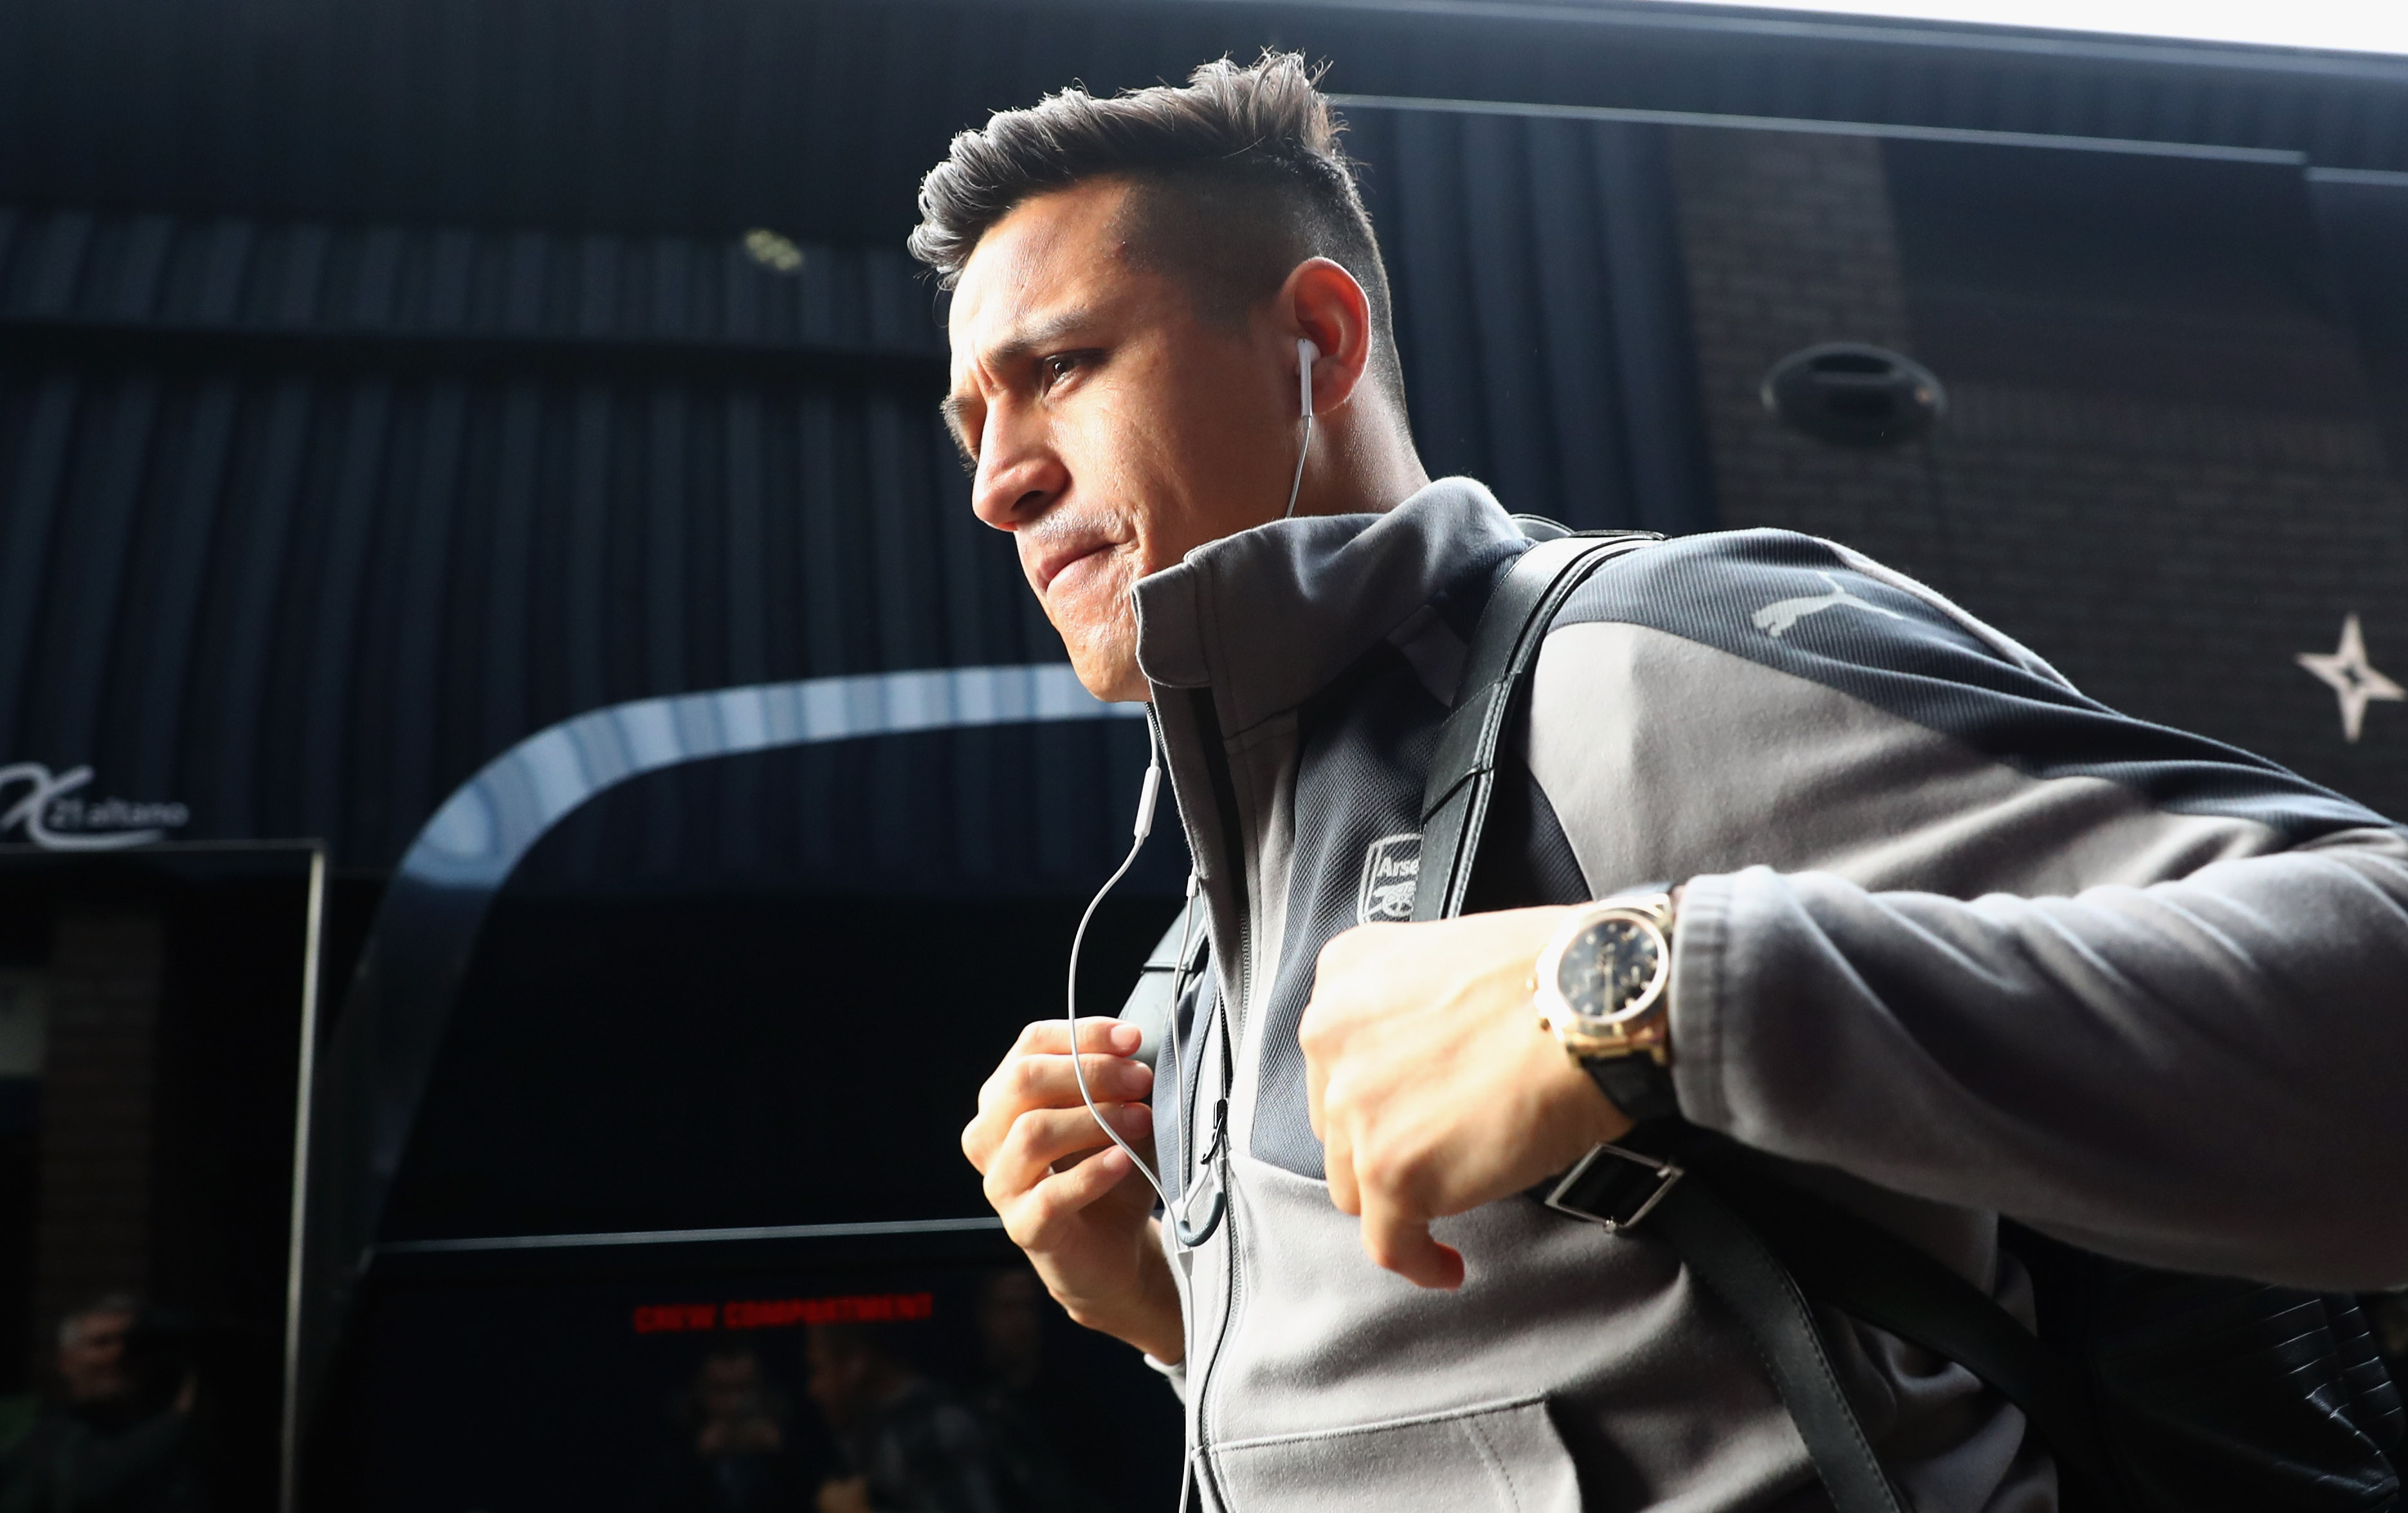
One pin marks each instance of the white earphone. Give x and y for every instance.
(1306, 355)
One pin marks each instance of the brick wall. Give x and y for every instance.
(2173, 558)
(1786, 238)
(2171, 543)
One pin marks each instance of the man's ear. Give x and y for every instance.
(1322, 303)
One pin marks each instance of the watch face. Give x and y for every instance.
(1607, 970)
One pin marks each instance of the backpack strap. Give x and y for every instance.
(1463, 775)
(1846, 1262)
(1150, 1005)
(1866, 1272)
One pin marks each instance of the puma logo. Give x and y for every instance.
(1779, 615)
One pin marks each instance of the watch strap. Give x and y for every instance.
(1638, 1085)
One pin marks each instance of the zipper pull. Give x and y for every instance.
(1220, 1132)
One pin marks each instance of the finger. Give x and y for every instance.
(1036, 1220)
(1050, 1082)
(1099, 1033)
(1133, 1122)
(1337, 1161)
(1316, 1083)
(998, 1099)
(1039, 1081)
(1041, 1138)
(1044, 1141)
(1399, 1240)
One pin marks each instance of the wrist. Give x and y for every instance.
(1147, 1313)
(1602, 1121)
(1602, 988)
(1163, 1332)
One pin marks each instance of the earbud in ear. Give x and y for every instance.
(1306, 355)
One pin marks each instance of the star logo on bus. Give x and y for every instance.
(2352, 677)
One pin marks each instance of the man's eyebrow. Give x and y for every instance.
(950, 408)
(1037, 335)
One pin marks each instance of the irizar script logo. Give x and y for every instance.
(1779, 615)
(56, 819)
(1390, 870)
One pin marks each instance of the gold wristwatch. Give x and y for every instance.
(1604, 989)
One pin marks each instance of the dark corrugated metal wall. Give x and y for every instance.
(1541, 310)
(229, 276)
(713, 115)
(304, 588)
(300, 523)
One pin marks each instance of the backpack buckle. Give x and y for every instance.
(1613, 1193)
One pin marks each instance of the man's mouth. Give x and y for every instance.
(1057, 556)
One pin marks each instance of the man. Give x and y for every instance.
(121, 1440)
(732, 1451)
(1947, 940)
(1032, 1409)
(910, 1451)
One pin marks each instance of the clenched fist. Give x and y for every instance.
(1431, 1083)
(1069, 1197)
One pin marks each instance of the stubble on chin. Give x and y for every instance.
(1099, 632)
(1106, 667)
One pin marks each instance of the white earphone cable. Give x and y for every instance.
(1301, 452)
(1078, 1067)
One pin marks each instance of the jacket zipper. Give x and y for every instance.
(1233, 853)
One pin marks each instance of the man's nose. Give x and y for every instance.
(1015, 485)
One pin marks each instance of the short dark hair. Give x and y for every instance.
(1239, 177)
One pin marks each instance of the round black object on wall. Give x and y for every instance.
(1855, 395)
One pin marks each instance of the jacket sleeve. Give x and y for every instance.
(2203, 1073)
(1956, 929)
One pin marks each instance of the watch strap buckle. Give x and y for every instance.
(1614, 1187)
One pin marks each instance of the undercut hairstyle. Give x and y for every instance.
(1236, 177)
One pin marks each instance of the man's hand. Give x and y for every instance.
(1070, 1197)
(1432, 1086)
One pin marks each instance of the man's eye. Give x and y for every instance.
(1062, 364)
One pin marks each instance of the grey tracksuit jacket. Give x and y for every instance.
(1958, 942)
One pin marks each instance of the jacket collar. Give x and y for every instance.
(1267, 617)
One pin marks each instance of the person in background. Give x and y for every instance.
(119, 1439)
(732, 1441)
(909, 1450)
(1031, 1414)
